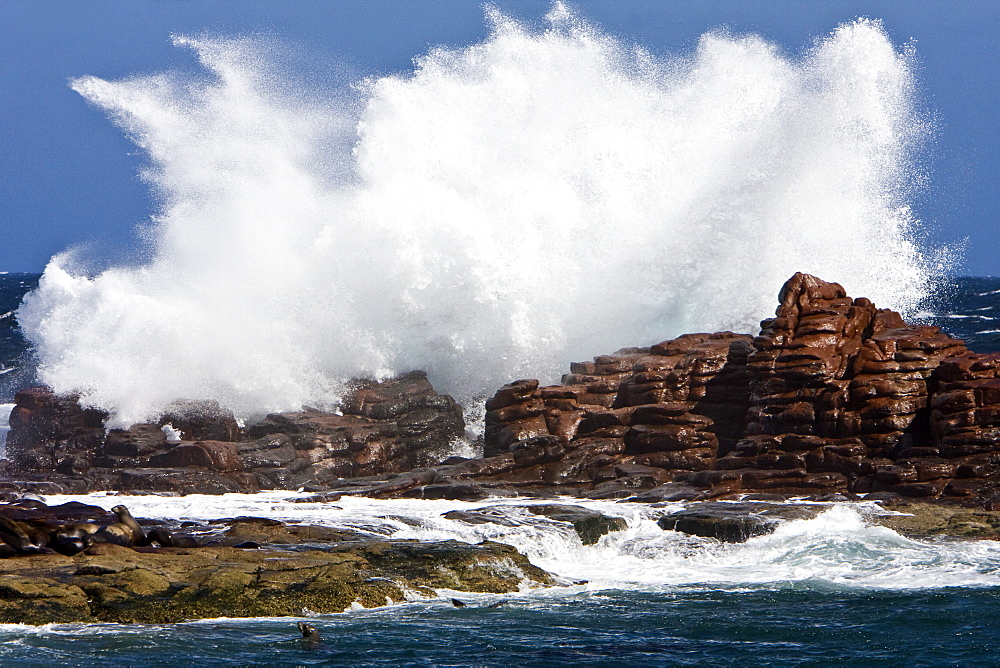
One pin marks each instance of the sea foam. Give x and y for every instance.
(838, 549)
(543, 196)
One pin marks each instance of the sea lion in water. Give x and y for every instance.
(309, 634)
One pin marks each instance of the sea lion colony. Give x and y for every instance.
(23, 531)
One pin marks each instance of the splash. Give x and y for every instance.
(837, 550)
(543, 196)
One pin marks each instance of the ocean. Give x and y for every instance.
(548, 194)
(829, 591)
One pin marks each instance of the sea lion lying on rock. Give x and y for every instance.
(164, 538)
(73, 538)
(27, 528)
(125, 532)
(23, 537)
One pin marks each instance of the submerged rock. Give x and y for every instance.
(736, 522)
(589, 524)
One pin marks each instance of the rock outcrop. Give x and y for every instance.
(832, 397)
(229, 576)
(56, 445)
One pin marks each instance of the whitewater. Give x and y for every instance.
(833, 590)
(540, 197)
(840, 548)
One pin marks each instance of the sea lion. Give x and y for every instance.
(309, 634)
(458, 604)
(115, 533)
(137, 535)
(164, 538)
(23, 537)
(73, 538)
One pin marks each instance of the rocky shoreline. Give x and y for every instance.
(242, 567)
(832, 397)
(833, 400)
(261, 567)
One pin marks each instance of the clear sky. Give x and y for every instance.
(69, 177)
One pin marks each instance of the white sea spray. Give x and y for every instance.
(540, 197)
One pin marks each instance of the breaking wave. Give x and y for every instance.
(543, 196)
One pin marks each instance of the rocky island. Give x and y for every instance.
(832, 400)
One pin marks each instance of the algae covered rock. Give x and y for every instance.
(111, 583)
(921, 520)
(41, 600)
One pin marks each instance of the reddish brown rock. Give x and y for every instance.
(830, 393)
(833, 396)
(46, 428)
(385, 427)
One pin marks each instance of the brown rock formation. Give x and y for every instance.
(838, 390)
(388, 427)
(46, 429)
(834, 396)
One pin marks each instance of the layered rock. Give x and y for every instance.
(632, 415)
(838, 390)
(380, 428)
(833, 396)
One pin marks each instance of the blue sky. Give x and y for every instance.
(69, 177)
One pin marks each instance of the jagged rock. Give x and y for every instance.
(384, 427)
(45, 428)
(833, 396)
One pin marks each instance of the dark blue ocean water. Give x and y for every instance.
(907, 613)
(16, 369)
(800, 626)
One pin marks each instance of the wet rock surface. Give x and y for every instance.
(589, 524)
(736, 522)
(292, 570)
(917, 519)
